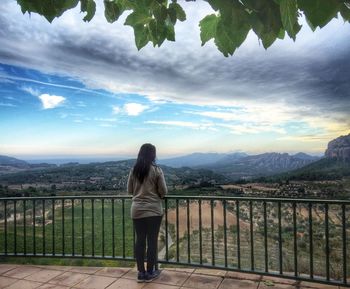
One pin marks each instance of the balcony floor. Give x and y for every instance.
(14, 276)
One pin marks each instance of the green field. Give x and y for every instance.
(92, 229)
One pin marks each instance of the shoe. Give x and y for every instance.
(149, 277)
(141, 277)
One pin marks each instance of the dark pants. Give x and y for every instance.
(147, 228)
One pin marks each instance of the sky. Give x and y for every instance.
(72, 88)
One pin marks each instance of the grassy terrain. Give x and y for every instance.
(90, 238)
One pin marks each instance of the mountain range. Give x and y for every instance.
(105, 176)
(233, 166)
(200, 159)
(220, 166)
(241, 165)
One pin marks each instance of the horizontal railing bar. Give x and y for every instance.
(69, 197)
(288, 200)
(70, 256)
(271, 274)
(131, 259)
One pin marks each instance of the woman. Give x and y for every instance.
(147, 185)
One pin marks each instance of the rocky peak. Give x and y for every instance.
(339, 148)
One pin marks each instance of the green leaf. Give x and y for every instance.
(112, 11)
(88, 6)
(137, 18)
(141, 36)
(223, 40)
(229, 29)
(170, 35)
(289, 16)
(281, 34)
(158, 32)
(160, 12)
(180, 13)
(208, 27)
(319, 12)
(48, 9)
(172, 15)
(266, 21)
(222, 5)
(229, 37)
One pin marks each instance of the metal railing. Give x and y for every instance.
(302, 239)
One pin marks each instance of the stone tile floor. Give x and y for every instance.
(14, 276)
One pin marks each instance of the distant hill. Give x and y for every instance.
(192, 160)
(13, 165)
(260, 165)
(13, 162)
(321, 170)
(110, 175)
(339, 148)
(333, 166)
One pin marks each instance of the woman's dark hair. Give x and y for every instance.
(146, 157)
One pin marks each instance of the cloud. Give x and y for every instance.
(51, 101)
(306, 138)
(131, 109)
(240, 129)
(7, 104)
(185, 124)
(30, 90)
(134, 109)
(116, 109)
(244, 129)
(106, 119)
(305, 81)
(81, 104)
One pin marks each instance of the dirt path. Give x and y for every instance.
(206, 217)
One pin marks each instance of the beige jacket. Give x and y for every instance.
(146, 201)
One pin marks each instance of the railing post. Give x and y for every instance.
(166, 230)
(188, 232)
(311, 246)
(24, 228)
(238, 237)
(5, 221)
(343, 209)
(33, 219)
(225, 231)
(280, 238)
(200, 231)
(53, 227)
(327, 241)
(113, 230)
(212, 232)
(265, 239)
(92, 228)
(15, 225)
(62, 224)
(73, 245)
(103, 227)
(123, 225)
(43, 224)
(251, 235)
(295, 240)
(177, 230)
(82, 228)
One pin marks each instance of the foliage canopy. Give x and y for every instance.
(154, 20)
